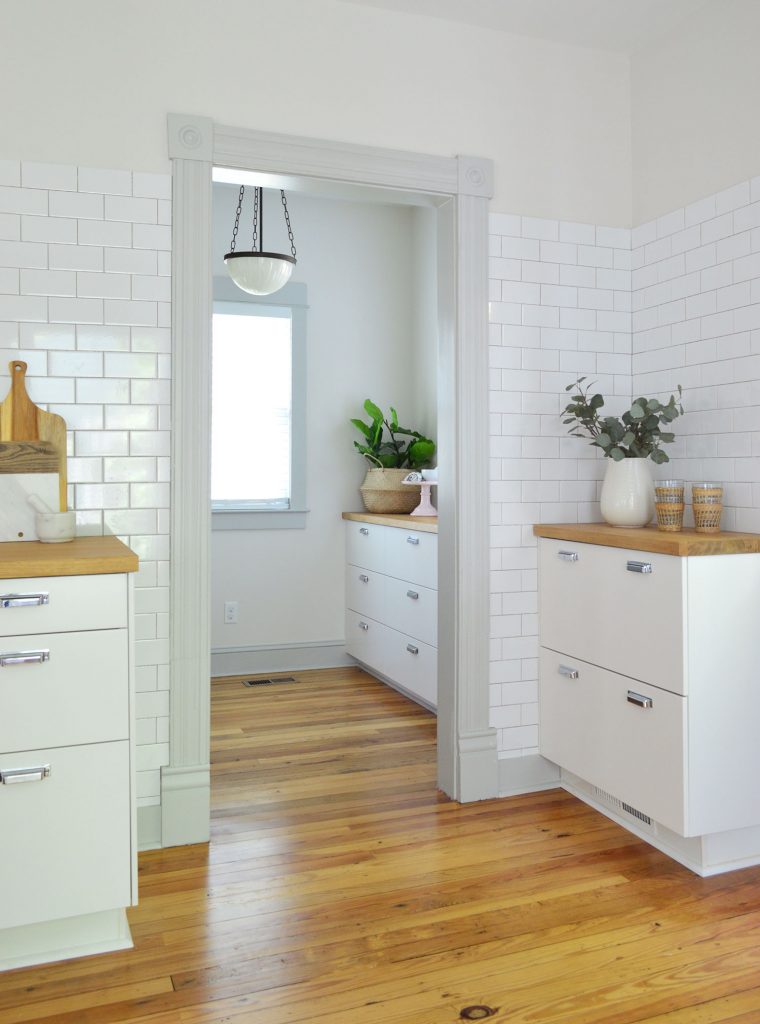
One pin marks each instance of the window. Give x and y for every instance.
(257, 458)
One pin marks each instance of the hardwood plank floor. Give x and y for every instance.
(341, 886)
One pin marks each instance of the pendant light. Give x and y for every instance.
(256, 271)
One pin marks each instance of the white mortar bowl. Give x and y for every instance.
(55, 527)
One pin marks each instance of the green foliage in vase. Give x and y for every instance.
(637, 434)
(393, 451)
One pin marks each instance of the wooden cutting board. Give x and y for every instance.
(22, 420)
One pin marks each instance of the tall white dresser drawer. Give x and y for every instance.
(367, 641)
(58, 689)
(365, 591)
(412, 556)
(70, 848)
(62, 603)
(365, 545)
(624, 736)
(414, 667)
(584, 593)
(412, 609)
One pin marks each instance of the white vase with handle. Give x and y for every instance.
(627, 497)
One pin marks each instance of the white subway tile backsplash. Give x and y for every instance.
(75, 257)
(48, 229)
(536, 227)
(48, 282)
(150, 236)
(108, 182)
(76, 204)
(104, 233)
(23, 254)
(23, 307)
(76, 311)
(128, 208)
(107, 286)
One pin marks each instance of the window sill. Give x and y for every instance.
(281, 519)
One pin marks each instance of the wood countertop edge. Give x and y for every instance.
(420, 524)
(84, 556)
(687, 543)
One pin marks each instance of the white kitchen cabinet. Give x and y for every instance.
(67, 798)
(392, 601)
(649, 696)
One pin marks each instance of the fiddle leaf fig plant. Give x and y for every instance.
(637, 434)
(391, 452)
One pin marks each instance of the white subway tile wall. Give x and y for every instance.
(85, 301)
(560, 308)
(696, 322)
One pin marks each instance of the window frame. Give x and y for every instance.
(228, 298)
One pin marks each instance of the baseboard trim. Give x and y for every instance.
(64, 939)
(149, 827)
(291, 657)
(530, 774)
(185, 805)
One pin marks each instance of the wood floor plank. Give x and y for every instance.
(341, 886)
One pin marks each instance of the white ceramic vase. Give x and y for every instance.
(627, 493)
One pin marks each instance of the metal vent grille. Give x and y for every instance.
(613, 801)
(270, 681)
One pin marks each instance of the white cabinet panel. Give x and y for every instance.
(414, 667)
(412, 557)
(412, 609)
(66, 838)
(596, 603)
(365, 591)
(70, 603)
(626, 737)
(78, 695)
(365, 545)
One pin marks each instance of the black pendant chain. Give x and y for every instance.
(237, 218)
(287, 221)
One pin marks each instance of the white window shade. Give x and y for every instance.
(251, 410)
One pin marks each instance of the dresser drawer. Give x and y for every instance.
(412, 609)
(365, 591)
(62, 603)
(595, 605)
(70, 832)
(368, 641)
(365, 545)
(78, 695)
(414, 667)
(594, 726)
(412, 557)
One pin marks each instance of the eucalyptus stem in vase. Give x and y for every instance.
(627, 497)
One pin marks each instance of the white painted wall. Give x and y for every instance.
(555, 119)
(358, 262)
(694, 109)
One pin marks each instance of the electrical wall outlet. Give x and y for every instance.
(231, 609)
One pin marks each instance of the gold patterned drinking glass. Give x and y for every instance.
(707, 503)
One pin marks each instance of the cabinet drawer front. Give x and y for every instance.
(59, 604)
(626, 737)
(365, 591)
(367, 641)
(412, 557)
(70, 852)
(414, 666)
(78, 695)
(597, 605)
(365, 544)
(412, 609)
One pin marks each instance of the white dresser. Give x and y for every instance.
(392, 600)
(650, 683)
(66, 761)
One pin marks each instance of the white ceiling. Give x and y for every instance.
(624, 26)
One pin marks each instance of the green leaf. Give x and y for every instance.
(637, 412)
(596, 402)
(616, 454)
(394, 418)
(420, 453)
(627, 438)
(659, 456)
(360, 425)
(372, 410)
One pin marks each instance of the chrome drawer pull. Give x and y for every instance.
(413, 594)
(638, 566)
(11, 776)
(412, 540)
(23, 600)
(24, 658)
(364, 531)
(363, 577)
(569, 673)
(639, 700)
(412, 649)
(364, 626)
(568, 556)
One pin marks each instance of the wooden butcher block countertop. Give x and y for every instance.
(421, 524)
(649, 538)
(83, 556)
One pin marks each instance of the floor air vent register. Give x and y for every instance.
(269, 681)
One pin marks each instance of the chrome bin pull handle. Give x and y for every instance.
(24, 658)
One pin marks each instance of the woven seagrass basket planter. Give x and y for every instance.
(382, 491)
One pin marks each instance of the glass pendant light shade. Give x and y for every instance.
(259, 273)
(256, 271)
